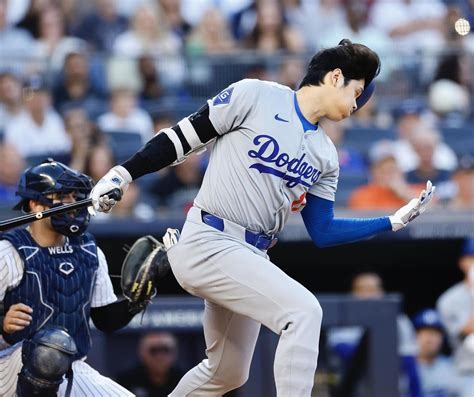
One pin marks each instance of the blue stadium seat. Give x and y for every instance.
(461, 139)
(362, 138)
(123, 143)
(348, 182)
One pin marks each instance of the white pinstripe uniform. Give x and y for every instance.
(87, 381)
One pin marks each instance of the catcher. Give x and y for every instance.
(53, 279)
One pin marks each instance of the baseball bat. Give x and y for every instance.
(21, 220)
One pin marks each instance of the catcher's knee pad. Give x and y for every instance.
(46, 357)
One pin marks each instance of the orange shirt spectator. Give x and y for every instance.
(388, 188)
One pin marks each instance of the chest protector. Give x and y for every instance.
(57, 283)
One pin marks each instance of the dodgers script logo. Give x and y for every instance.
(269, 152)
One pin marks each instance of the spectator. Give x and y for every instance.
(152, 89)
(10, 98)
(193, 10)
(157, 374)
(83, 136)
(457, 312)
(413, 25)
(177, 187)
(99, 160)
(350, 159)
(271, 33)
(357, 27)
(211, 36)
(424, 142)
(30, 21)
(125, 115)
(311, 18)
(463, 180)
(162, 120)
(448, 94)
(173, 15)
(12, 165)
(411, 115)
(53, 45)
(437, 373)
(291, 71)
(387, 188)
(133, 207)
(148, 33)
(39, 130)
(76, 88)
(344, 340)
(16, 44)
(101, 27)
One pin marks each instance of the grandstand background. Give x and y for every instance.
(88, 82)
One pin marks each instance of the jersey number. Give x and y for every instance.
(299, 204)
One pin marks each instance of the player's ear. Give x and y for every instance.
(337, 78)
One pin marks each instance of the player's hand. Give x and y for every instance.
(117, 178)
(171, 237)
(17, 318)
(415, 207)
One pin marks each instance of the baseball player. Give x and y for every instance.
(270, 158)
(53, 279)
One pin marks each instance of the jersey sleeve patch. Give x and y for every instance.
(224, 97)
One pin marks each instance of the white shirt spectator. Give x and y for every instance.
(129, 44)
(16, 46)
(32, 139)
(444, 157)
(193, 10)
(313, 18)
(372, 37)
(388, 15)
(439, 378)
(137, 121)
(5, 117)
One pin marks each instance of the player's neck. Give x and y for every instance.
(310, 100)
(44, 236)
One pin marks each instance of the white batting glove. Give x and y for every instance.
(117, 178)
(171, 237)
(415, 207)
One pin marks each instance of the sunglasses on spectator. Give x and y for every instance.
(160, 349)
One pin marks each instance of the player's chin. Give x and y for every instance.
(338, 116)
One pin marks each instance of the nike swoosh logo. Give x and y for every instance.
(278, 118)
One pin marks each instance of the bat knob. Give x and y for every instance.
(115, 194)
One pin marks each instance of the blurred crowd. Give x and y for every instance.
(88, 82)
(435, 346)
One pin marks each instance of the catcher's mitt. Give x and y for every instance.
(144, 264)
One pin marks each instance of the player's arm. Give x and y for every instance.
(112, 317)
(326, 230)
(222, 114)
(107, 313)
(18, 315)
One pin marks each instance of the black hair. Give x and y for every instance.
(355, 60)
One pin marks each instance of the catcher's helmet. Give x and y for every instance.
(54, 177)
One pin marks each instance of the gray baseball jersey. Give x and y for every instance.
(266, 159)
